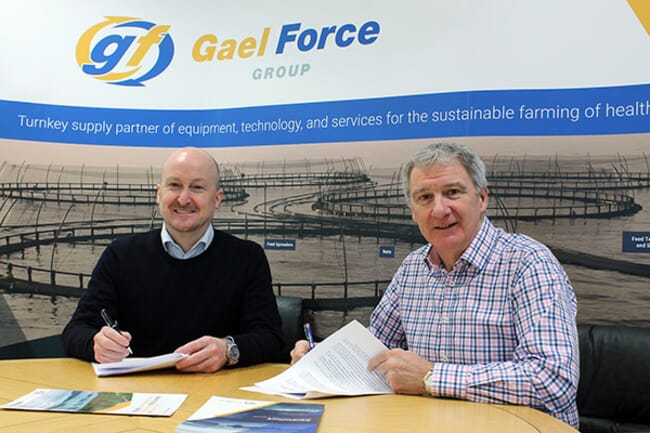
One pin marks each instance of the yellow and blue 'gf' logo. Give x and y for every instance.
(125, 51)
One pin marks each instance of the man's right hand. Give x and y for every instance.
(110, 345)
(299, 350)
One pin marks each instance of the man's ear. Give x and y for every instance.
(483, 196)
(220, 195)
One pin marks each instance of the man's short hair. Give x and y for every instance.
(216, 165)
(445, 154)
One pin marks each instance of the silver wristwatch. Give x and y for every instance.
(232, 351)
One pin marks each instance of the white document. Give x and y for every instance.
(218, 406)
(336, 366)
(234, 415)
(134, 365)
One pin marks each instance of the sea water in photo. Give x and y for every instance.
(278, 202)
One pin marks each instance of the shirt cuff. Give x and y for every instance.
(450, 380)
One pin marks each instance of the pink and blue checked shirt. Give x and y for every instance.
(500, 327)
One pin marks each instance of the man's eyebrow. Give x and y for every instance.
(419, 190)
(177, 179)
(458, 185)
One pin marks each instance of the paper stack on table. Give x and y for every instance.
(134, 365)
(222, 414)
(336, 366)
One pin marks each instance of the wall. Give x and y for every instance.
(93, 98)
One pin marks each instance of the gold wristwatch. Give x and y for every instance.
(427, 382)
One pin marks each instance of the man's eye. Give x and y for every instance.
(197, 188)
(453, 192)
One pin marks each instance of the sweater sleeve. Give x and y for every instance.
(86, 320)
(261, 338)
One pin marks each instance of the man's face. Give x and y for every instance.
(188, 195)
(447, 208)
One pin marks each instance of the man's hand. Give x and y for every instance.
(110, 345)
(404, 370)
(206, 355)
(299, 350)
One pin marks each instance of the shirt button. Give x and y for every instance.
(445, 320)
(444, 358)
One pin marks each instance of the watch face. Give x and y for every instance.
(232, 351)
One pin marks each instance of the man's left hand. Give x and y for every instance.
(403, 369)
(206, 355)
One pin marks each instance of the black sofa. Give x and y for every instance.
(290, 308)
(45, 347)
(614, 389)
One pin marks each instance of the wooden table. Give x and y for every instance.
(373, 414)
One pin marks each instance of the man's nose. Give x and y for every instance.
(184, 196)
(439, 207)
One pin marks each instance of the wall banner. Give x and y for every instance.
(138, 75)
(514, 112)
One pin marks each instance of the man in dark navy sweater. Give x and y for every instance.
(184, 288)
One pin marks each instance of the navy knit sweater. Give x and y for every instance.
(165, 302)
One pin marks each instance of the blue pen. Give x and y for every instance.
(309, 335)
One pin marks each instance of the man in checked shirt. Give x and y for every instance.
(476, 314)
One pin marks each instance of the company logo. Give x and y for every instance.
(292, 38)
(125, 51)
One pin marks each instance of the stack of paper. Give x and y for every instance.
(133, 365)
(221, 414)
(337, 366)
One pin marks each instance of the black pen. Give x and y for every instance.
(112, 324)
(309, 335)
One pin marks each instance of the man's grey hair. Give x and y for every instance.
(445, 154)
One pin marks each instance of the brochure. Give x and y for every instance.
(221, 415)
(117, 403)
(134, 365)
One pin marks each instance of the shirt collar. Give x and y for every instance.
(479, 251)
(175, 250)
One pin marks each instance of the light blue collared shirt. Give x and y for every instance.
(174, 250)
